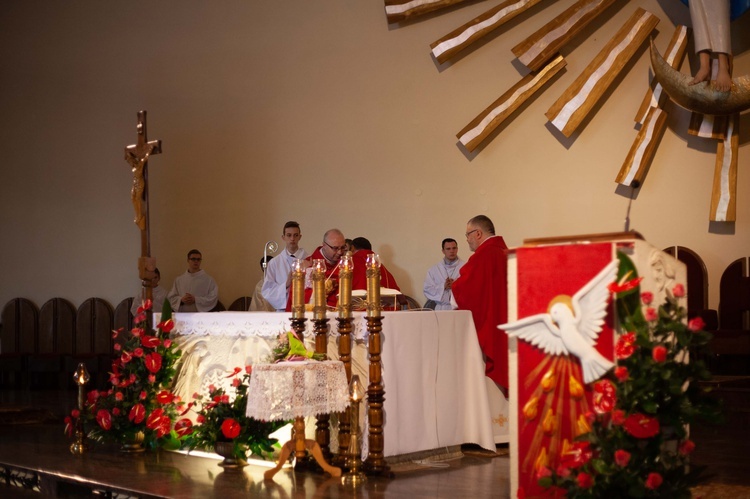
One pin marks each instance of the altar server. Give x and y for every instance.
(278, 272)
(482, 289)
(158, 295)
(195, 290)
(439, 281)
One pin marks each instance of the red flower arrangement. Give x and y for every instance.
(138, 400)
(221, 418)
(638, 445)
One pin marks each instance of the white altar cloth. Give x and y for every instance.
(433, 373)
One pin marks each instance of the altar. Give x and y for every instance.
(436, 394)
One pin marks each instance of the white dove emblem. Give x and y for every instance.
(572, 325)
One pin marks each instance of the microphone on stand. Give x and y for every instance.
(270, 247)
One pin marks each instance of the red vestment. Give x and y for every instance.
(359, 274)
(482, 289)
(332, 276)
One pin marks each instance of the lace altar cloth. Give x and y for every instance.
(288, 390)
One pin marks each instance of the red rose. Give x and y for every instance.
(167, 342)
(659, 353)
(654, 479)
(115, 411)
(75, 413)
(150, 341)
(166, 326)
(687, 447)
(117, 347)
(104, 418)
(696, 324)
(618, 417)
(578, 455)
(248, 369)
(647, 297)
(650, 314)
(183, 427)
(641, 426)
(141, 317)
(604, 396)
(164, 397)
(584, 480)
(230, 428)
(137, 413)
(236, 382)
(200, 418)
(137, 332)
(119, 396)
(92, 396)
(153, 362)
(622, 457)
(625, 346)
(621, 373)
(138, 352)
(678, 290)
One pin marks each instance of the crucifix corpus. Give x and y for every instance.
(137, 156)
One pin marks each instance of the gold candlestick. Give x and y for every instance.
(81, 377)
(346, 266)
(298, 290)
(354, 476)
(319, 289)
(373, 285)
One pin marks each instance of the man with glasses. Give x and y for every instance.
(331, 251)
(278, 276)
(482, 289)
(195, 290)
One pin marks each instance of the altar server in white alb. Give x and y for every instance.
(440, 277)
(278, 273)
(158, 295)
(195, 290)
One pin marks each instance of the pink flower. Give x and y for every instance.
(659, 353)
(621, 373)
(584, 480)
(230, 428)
(119, 396)
(152, 378)
(137, 332)
(622, 457)
(563, 471)
(167, 342)
(647, 297)
(687, 447)
(654, 479)
(249, 369)
(117, 347)
(236, 382)
(543, 472)
(696, 324)
(650, 314)
(678, 291)
(138, 352)
(142, 395)
(141, 317)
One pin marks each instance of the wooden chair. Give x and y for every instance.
(241, 304)
(732, 340)
(93, 341)
(697, 285)
(55, 341)
(18, 341)
(219, 307)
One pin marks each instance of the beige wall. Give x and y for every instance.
(316, 111)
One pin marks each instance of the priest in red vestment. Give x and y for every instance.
(482, 289)
(361, 248)
(333, 247)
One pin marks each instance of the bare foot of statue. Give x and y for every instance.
(723, 81)
(704, 71)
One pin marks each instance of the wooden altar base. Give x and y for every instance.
(38, 450)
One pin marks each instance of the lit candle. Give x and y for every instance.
(373, 285)
(298, 290)
(319, 289)
(346, 265)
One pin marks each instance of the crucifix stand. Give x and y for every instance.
(137, 157)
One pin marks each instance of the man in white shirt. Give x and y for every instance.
(195, 290)
(440, 277)
(278, 272)
(158, 295)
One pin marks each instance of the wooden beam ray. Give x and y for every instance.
(644, 147)
(480, 127)
(400, 10)
(538, 48)
(675, 55)
(482, 25)
(724, 193)
(579, 99)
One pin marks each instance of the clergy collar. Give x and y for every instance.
(448, 262)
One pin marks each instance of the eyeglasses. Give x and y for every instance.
(336, 248)
(470, 233)
(195, 259)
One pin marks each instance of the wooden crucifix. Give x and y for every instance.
(137, 156)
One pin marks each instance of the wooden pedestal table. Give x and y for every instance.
(296, 390)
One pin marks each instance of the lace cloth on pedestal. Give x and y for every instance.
(288, 390)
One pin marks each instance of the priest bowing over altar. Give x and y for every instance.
(330, 252)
